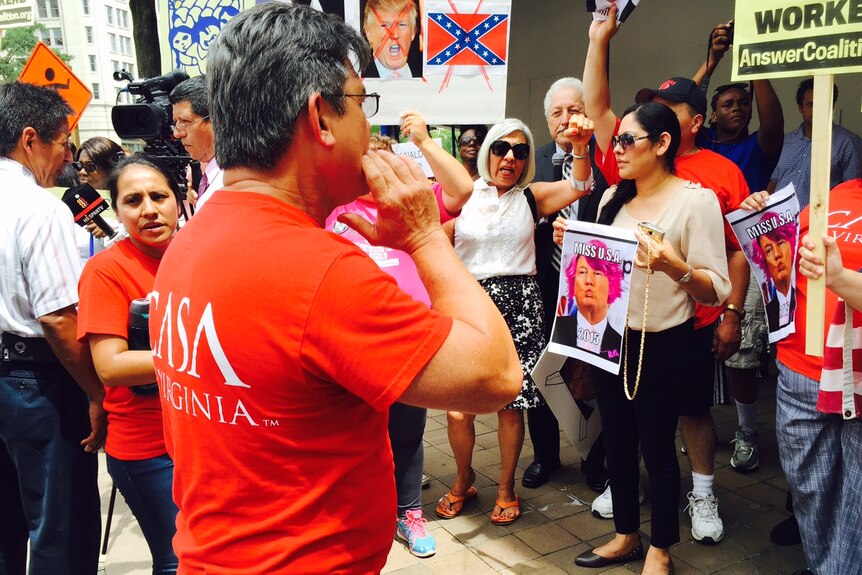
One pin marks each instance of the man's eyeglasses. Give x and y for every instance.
(370, 103)
(501, 147)
(470, 141)
(625, 140)
(88, 167)
(183, 125)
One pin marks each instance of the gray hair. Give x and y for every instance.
(568, 82)
(261, 70)
(501, 130)
(26, 105)
(193, 91)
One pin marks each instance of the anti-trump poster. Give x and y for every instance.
(769, 238)
(448, 58)
(595, 274)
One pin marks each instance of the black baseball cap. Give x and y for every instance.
(675, 90)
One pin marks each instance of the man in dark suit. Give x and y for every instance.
(566, 333)
(773, 312)
(563, 99)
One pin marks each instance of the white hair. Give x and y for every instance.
(497, 131)
(569, 82)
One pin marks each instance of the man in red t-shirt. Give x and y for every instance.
(820, 452)
(278, 346)
(719, 337)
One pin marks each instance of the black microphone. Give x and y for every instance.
(558, 158)
(87, 205)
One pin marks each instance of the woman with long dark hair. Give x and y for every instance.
(687, 265)
(144, 196)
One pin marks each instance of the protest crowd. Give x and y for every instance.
(315, 294)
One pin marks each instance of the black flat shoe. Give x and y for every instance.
(537, 474)
(590, 559)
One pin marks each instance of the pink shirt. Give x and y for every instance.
(396, 263)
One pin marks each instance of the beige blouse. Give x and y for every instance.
(694, 226)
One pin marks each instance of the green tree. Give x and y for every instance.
(15, 48)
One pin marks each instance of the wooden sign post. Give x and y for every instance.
(821, 162)
(787, 38)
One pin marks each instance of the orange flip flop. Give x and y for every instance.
(454, 509)
(503, 505)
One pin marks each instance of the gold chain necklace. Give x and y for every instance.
(631, 395)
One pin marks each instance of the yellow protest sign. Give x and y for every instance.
(786, 38)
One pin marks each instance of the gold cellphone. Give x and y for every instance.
(652, 230)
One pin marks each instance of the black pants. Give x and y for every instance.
(650, 420)
(545, 435)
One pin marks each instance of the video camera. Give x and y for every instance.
(149, 119)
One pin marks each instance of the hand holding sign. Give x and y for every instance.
(617, 10)
(602, 30)
(812, 266)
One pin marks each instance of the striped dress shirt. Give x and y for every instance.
(39, 262)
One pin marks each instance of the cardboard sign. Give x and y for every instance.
(45, 68)
(411, 150)
(785, 38)
(14, 13)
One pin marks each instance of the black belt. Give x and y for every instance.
(17, 349)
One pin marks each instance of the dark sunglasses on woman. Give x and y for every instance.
(501, 147)
(469, 141)
(88, 167)
(625, 140)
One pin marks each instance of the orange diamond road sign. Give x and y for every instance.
(45, 68)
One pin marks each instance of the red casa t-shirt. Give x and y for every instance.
(279, 348)
(110, 281)
(845, 225)
(723, 177)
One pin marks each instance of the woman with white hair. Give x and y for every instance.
(494, 237)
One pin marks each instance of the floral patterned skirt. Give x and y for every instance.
(520, 302)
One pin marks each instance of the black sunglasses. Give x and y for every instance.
(470, 140)
(88, 167)
(501, 147)
(625, 140)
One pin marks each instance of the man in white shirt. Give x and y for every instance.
(193, 128)
(48, 466)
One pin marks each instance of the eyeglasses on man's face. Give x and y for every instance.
(625, 140)
(469, 141)
(183, 125)
(370, 103)
(501, 147)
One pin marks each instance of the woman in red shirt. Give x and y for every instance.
(144, 197)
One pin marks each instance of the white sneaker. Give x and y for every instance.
(603, 505)
(706, 525)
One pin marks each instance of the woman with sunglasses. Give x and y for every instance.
(688, 265)
(469, 142)
(144, 196)
(96, 158)
(494, 237)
